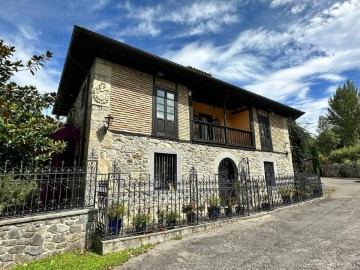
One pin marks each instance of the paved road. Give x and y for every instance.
(318, 235)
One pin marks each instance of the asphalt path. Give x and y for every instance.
(317, 235)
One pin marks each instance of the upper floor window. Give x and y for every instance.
(165, 113)
(265, 133)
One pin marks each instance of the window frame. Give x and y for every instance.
(166, 182)
(155, 126)
(266, 142)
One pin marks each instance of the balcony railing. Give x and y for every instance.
(213, 133)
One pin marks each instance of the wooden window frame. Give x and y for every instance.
(155, 131)
(265, 119)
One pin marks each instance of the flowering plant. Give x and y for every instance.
(231, 200)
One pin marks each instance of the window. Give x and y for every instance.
(269, 173)
(165, 171)
(265, 133)
(165, 124)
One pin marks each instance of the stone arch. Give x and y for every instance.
(222, 156)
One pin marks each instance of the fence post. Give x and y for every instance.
(194, 184)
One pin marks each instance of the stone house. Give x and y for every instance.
(166, 118)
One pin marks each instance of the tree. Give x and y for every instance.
(344, 113)
(24, 130)
(300, 141)
(327, 140)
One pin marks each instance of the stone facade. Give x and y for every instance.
(135, 154)
(30, 238)
(127, 95)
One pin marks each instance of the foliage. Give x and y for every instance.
(230, 200)
(84, 260)
(24, 130)
(300, 141)
(115, 210)
(16, 192)
(161, 216)
(188, 208)
(285, 192)
(315, 158)
(344, 113)
(213, 200)
(327, 141)
(171, 216)
(141, 219)
(351, 153)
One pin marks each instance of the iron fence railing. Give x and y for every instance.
(136, 206)
(39, 190)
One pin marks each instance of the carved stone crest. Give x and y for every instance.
(101, 95)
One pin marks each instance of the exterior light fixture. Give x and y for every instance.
(160, 74)
(108, 121)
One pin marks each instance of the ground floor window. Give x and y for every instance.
(165, 171)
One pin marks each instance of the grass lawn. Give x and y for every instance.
(84, 260)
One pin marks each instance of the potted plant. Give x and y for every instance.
(286, 194)
(140, 222)
(213, 207)
(189, 211)
(171, 218)
(115, 213)
(230, 203)
(265, 205)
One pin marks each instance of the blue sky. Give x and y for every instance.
(293, 51)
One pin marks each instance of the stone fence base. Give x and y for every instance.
(36, 237)
(341, 170)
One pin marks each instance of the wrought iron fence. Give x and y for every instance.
(38, 190)
(136, 206)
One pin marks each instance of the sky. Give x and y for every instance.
(293, 51)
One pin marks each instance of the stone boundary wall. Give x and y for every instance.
(36, 237)
(341, 170)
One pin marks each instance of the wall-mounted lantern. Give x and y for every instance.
(108, 121)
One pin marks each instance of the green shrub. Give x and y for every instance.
(16, 192)
(346, 154)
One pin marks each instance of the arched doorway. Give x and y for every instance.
(227, 175)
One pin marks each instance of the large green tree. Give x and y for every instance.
(344, 113)
(327, 139)
(24, 130)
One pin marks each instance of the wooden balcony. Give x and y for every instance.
(216, 134)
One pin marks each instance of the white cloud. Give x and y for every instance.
(285, 65)
(332, 77)
(26, 45)
(194, 19)
(280, 3)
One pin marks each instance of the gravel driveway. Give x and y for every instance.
(317, 235)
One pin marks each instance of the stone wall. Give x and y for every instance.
(36, 237)
(135, 154)
(341, 170)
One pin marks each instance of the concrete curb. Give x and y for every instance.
(119, 244)
(46, 216)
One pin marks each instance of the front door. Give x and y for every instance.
(226, 180)
(269, 173)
